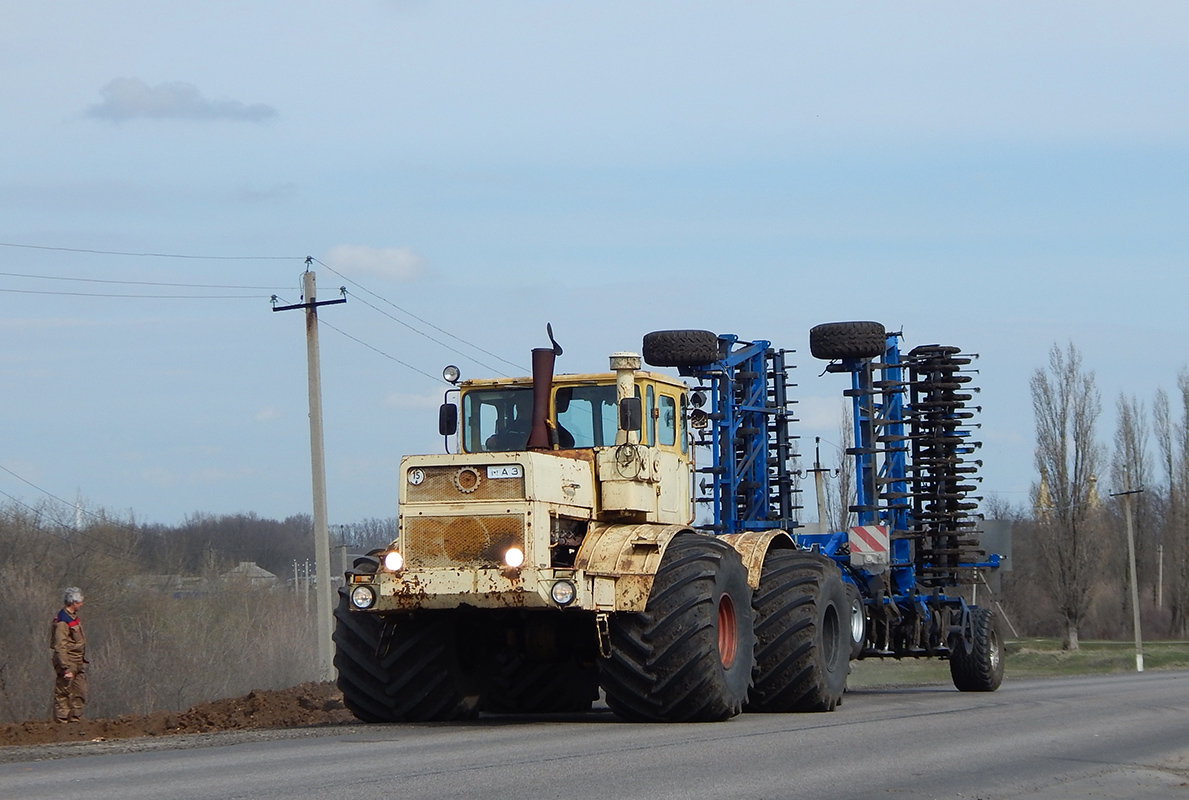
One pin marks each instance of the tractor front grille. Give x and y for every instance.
(444, 542)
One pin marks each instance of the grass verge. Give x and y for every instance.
(1028, 658)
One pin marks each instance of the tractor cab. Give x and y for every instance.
(584, 413)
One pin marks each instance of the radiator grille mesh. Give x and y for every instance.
(443, 542)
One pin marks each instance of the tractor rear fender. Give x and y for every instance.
(627, 557)
(753, 546)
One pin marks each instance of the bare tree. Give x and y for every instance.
(1066, 405)
(1172, 437)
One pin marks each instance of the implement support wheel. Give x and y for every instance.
(981, 668)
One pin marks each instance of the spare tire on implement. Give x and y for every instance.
(833, 340)
(680, 348)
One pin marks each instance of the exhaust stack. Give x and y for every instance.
(540, 437)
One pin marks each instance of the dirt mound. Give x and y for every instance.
(301, 706)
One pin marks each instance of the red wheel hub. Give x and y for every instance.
(728, 631)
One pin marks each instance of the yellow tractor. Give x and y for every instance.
(555, 553)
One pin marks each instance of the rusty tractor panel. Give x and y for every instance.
(753, 546)
(628, 554)
(454, 541)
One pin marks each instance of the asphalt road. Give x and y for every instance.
(1119, 736)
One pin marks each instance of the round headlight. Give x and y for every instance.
(563, 593)
(451, 374)
(514, 557)
(363, 597)
(393, 561)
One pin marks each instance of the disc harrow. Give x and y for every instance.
(942, 480)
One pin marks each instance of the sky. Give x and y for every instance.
(1001, 178)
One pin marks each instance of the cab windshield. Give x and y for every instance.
(499, 420)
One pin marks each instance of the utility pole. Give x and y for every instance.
(819, 485)
(1139, 645)
(1160, 576)
(323, 609)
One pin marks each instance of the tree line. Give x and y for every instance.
(152, 648)
(1071, 575)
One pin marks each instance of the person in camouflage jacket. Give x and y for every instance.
(69, 646)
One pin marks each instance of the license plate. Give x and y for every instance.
(505, 471)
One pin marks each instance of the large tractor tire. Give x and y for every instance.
(400, 668)
(803, 640)
(980, 669)
(833, 340)
(688, 656)
(680, 348)
(516, 685)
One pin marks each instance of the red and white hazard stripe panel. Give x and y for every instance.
(869, 547)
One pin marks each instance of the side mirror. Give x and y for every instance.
(631, 414)
(447, 419)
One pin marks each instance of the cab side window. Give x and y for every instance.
(667, 421)
(681, 421)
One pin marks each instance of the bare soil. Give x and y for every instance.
(307, 705)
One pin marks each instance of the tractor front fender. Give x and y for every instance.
(753, 546)
(622, 560)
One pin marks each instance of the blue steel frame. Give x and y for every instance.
(751, 484)
(751, 488)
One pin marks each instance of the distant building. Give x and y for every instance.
(248, 572)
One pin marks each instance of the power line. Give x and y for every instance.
(377, 350)
(150, 255)
(48, 493)
(111, 552)
(142, 296)
(133, 283)
(423, 321)
(432, 339)
(373, 348)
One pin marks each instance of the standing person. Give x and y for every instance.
(69, 644)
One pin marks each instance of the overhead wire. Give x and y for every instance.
(96, 543)
(308, 259)
(431, 338)
(47, 493)
(371, 347)
(423, 321)
(141, 296)
(150, 255)
(375, 349)
(136, 283)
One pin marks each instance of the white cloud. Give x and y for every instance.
(397, 264)
(267, 414)
(132, 98)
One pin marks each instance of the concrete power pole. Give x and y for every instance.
(323, 599)
(1139, 646)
